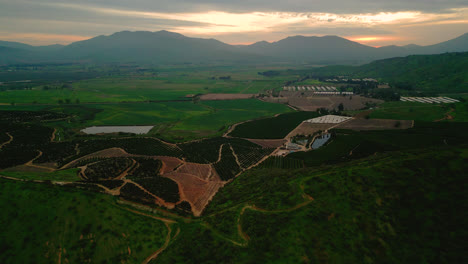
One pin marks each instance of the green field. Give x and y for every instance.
(410, 111)
(50, 224)
(173, 121)
(165, 85)
(272, 128)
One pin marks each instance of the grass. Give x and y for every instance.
(410, 111)
(174, 121)
(394, 208)
(311, 82)
(43, 224)
(166, 86)
(69, 175)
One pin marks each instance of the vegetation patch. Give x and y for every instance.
(272, 128)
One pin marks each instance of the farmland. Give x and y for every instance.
(271, 128)
(410, 111)
(207, 185)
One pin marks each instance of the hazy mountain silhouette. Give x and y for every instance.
(165, 47)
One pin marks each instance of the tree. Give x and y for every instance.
(340, 107)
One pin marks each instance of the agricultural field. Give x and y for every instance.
(345, 212)
(166, 84)
(410, 111)
(280, 162)
(271, 128)
(349, 145)
(375, 124)
(174, 121)
(385, 188)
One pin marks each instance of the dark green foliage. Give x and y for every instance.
(139, 146)
(164, 188)
(28, 116)
(249, 156)
(27, 139)
(56, 152)
(272, 128)
(146, 168)
(26, 135)
(352, 145)
(269, 188)
(40, 219)
(189, 252)
(281, 162)
(132, 192)
(400, 207)
(203, 151)
(439, 73)
(107, 169)
(10, 157)
(4, 138)
(207, 150)
(183, 208)
(227, 167)
(111, 184)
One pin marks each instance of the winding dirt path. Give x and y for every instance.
(52, 138)
(7, 142)
(235, 157)
(126, 171)
(448, 116)
(166, 243)
(168, 223)
(308, 199)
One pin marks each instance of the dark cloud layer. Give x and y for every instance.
(333, 6)
(242, 21)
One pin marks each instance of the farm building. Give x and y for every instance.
(328, 119)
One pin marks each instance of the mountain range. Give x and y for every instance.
(165, 47)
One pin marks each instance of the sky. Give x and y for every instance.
(370, 22)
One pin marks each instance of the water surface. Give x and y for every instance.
(320, 141)
(116, 129)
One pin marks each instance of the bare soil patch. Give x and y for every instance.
(226, 96)
(375, 124)
(268, 143)
(194, 190)
(202, 171)
(169, 164)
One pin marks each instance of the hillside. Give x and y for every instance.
(432, 73)
(438, 73)
(165, 47)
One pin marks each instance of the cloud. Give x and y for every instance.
(234, 21)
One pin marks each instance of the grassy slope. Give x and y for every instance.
(393, 208)
(444, 73)
(439, 73)
(39, 221)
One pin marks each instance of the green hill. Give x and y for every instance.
(439, 73)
